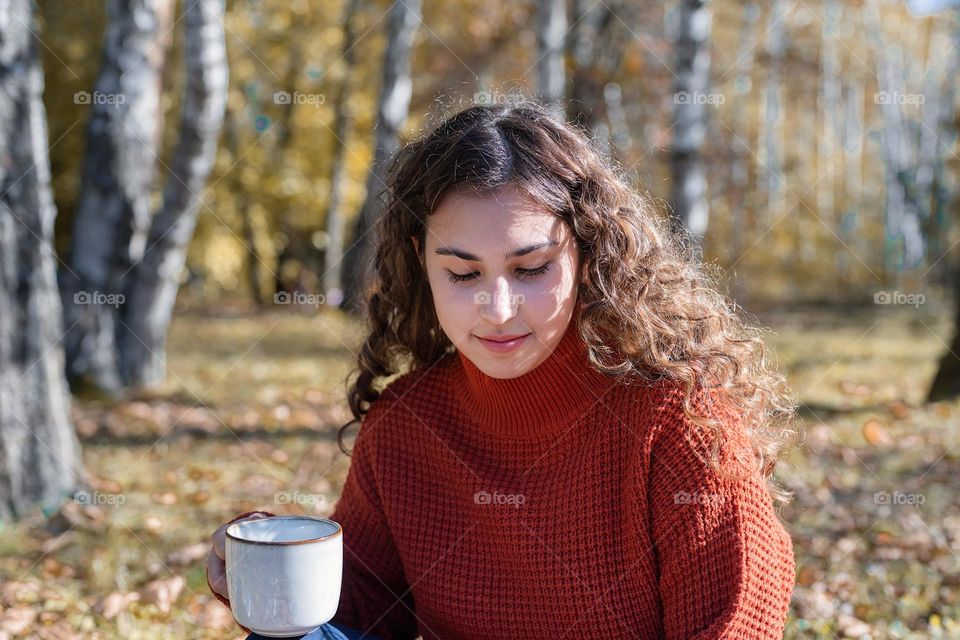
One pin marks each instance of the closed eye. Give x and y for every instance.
(529, 273)
(521, 273)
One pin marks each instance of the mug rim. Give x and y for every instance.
(336, 533)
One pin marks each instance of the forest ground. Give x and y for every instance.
(248, 419)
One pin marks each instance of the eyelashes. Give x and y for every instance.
(521, 273)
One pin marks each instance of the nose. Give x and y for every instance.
(500, 305)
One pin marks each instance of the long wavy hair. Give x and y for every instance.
(647, 307)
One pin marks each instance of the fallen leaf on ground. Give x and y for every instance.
(111, 605)
(876, 434)
(16, 620)
(163, 593)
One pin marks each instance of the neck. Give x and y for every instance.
(551, 395)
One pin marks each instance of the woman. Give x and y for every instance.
(584, 441)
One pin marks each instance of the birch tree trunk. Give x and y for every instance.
(232, 138)
(772, 122)
(938, 137)
(740, 167)
(596, 47)
(551, 32)
(853, 178)
(39, 450)
(692, 78)
(619, 132)
(904, 231)
(394, 103)
(928, 144)
(830, 111)
(334, 221)
(589, 21)
(946, 382)
(152, 293)
(113, 208)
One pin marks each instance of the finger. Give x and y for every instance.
(218, 540)
(220, 535)
(216, 574)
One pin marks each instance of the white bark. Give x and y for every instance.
(152, 294)
(829, 111)
(691, 84)
(39, 451)
(596, 43)
(902, 219)
(113, 209)
(619, 131)
(394, 103)
(853, 174)
(551, 32)
(740, 167)
(773, 139)
(334, 220)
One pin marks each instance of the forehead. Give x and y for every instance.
(504, 215)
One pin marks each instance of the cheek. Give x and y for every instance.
(540, 294)
(555, 286)
(456, 294)
(571, 275)
(453, 303)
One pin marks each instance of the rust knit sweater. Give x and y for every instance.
(557, 504)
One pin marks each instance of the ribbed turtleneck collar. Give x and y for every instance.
(553, 394)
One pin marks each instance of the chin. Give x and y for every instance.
(513, 366)
(500, 375)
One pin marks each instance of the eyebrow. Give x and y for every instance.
(465, 255)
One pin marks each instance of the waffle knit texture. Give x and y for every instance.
(556, 504)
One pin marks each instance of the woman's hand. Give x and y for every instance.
(216, 563)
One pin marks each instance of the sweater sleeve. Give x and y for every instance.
(375, 596)
(726, 565)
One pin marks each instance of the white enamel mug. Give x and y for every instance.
(284, 573)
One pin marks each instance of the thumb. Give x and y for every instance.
(216, 575)
(219, 536)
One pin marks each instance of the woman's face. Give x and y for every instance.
(501, 266)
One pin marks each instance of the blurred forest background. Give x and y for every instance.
(795, 150)
(186, 192)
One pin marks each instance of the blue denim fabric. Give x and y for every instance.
(328, 631)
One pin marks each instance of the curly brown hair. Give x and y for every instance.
(647, 308)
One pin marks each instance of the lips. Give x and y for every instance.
(504, 344)
(504, 338)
